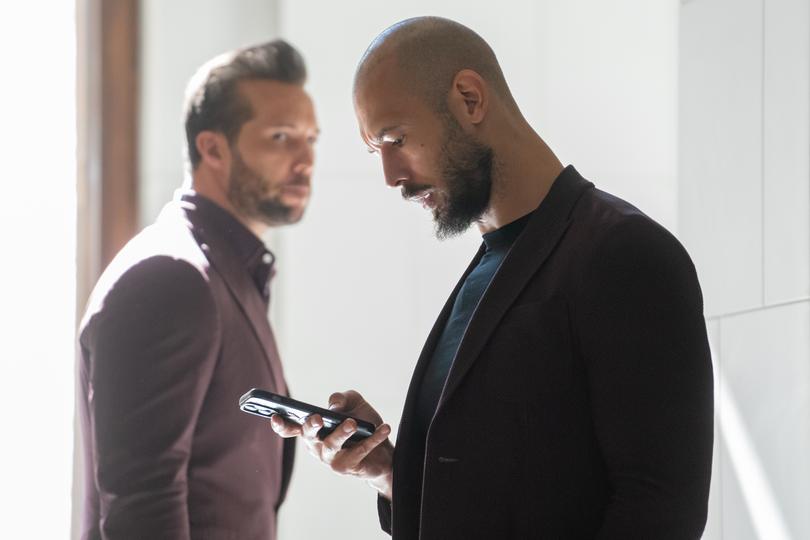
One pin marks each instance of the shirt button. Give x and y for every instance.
(267, 258)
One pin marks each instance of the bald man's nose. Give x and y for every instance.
(394, 169)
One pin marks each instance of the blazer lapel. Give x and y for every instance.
(544, 229)
(221, 256)
(407, 459)
(430, 345)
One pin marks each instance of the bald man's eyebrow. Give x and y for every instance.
(380, 134)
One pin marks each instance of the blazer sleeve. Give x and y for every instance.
(152, 348)
(384, 513)
(643, 339)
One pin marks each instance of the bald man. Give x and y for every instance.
(565, 391)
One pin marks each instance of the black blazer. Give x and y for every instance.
(175, 332)
(579, 405)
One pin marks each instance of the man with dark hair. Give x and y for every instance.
(176, 328)
(565, 391)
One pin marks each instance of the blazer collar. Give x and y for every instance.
(216, 245)
(531, 249)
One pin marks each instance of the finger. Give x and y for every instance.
(314, 449)
(349, 459)
(311, 426)
(283, 428)
(337, 401)
(335, 440)
(342, 401)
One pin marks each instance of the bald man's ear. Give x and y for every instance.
(214, 150)
(469, 96)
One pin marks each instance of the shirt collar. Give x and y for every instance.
(249, 248)
(505, 236)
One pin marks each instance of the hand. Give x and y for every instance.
(369, 459)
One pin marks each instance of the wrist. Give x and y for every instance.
(383, 484)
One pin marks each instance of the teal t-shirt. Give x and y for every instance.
(498, 243)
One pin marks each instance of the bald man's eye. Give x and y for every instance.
(399, 141)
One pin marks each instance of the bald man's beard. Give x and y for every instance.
(246, 192)
(466, 169)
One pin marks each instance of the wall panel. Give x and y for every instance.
(720, 140)
(786, 200)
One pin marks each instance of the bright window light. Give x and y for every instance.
(38, 270)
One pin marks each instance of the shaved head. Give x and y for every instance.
(428, 52)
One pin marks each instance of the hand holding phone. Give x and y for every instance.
(370, 458)
(266, 404)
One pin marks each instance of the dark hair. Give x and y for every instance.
(212, 99)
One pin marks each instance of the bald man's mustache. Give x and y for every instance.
(414, 191)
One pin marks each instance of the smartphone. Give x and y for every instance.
(266, 404)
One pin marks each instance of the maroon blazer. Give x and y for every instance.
(579, 404)
(174, 334)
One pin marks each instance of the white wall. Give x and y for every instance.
(361, 279)
(176, 38)
(744, 214)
